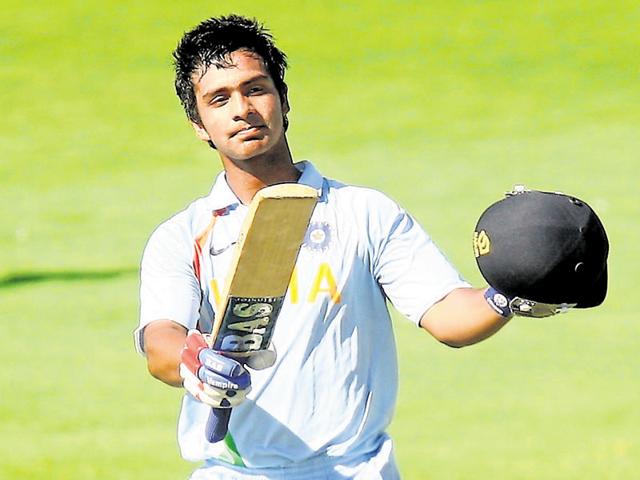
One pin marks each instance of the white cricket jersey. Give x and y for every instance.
(332, 391)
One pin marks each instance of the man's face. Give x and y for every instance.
(240, 108)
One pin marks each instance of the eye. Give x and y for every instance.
(218, 100)
(256, 90)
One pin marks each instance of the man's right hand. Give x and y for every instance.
(212, 378)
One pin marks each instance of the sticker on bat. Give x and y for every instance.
(247, 309)
(247, 324)
(241, 343)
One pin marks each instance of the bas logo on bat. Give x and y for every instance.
(247, 324)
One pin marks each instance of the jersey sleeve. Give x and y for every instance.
(169, 288)
(413, 273)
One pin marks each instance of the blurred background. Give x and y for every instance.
(443, 105)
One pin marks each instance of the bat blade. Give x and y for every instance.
(261, 268)
(260, 271)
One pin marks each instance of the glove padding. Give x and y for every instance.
(261, 359)
(212, 378)
(521, 307)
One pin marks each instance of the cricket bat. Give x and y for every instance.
(259, 274)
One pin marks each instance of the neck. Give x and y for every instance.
(246, 177)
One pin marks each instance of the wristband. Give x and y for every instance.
(498, 301)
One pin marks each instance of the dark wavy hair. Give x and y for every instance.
(211, 43)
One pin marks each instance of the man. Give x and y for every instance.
(321, 409)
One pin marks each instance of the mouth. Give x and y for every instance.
(247, 131)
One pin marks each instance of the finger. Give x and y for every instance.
(230, 398)
(217, 362)
(212, 396)
(209, 395)
(222, 382)
(194, 386)
(188, 377)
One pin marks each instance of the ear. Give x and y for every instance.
(284, 100)
(201, 133)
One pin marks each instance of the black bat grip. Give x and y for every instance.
(217, 424)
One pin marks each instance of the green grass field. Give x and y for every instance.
(443, 105)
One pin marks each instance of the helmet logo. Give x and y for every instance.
(481, 243)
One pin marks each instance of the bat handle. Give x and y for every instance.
(217, 424)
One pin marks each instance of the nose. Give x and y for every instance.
(241, 106)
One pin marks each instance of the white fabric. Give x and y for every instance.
(378, 465)
(332, 391)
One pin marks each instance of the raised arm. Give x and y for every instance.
(462, 318)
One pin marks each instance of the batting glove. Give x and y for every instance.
(212, 378)
(506, 306)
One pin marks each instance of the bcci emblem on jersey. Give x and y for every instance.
(318, 237)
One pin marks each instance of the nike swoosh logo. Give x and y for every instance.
(215, 252)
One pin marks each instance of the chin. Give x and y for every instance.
(252, 149)
(241, 157)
